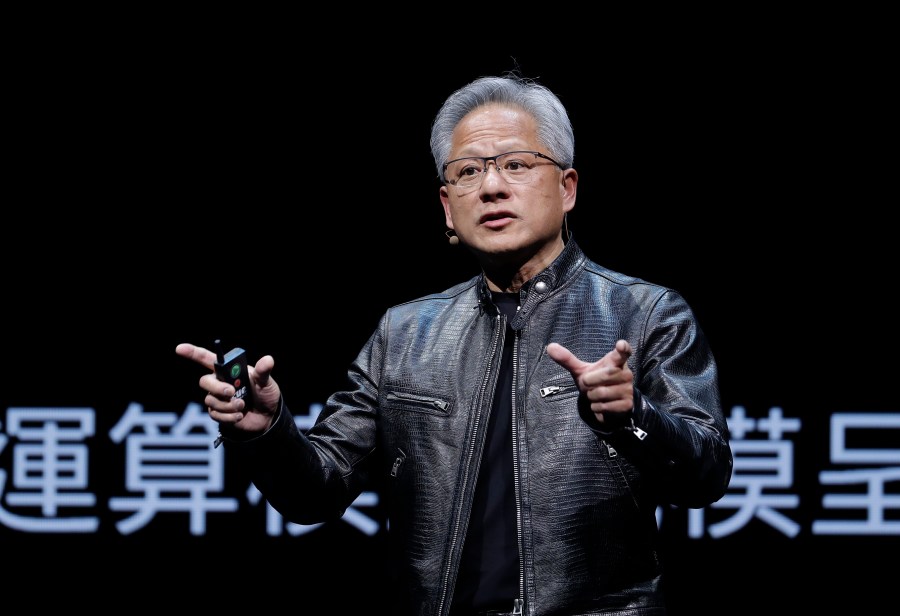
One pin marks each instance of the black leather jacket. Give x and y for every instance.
(414, 416)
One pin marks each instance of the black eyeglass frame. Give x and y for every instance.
(494, 158)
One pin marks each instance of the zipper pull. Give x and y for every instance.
(398, 462)
(546, 391)
(518, 605)
(396, 466)
(640, 434)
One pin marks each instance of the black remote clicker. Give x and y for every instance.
(231, 367)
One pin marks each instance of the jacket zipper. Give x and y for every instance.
(519, 602)
(552, 390)
(454, 536)
(398, 462)
(435, 402)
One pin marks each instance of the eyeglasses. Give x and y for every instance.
(515, 167)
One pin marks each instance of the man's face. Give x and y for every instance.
(500, 218)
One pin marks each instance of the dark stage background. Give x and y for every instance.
(164, 188)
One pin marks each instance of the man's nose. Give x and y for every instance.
(498, 176)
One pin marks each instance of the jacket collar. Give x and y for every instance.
(539, 287)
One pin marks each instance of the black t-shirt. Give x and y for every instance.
(488, 573)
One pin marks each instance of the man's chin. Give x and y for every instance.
(503, 249)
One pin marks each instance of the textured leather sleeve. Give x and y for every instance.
(677, 405)
(313, 477)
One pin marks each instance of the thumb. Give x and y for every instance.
(620, 354)
(565, 358)
(263, 370)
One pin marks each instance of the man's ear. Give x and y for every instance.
(445, 201)
(569, 187)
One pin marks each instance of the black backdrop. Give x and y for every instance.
(166, 188)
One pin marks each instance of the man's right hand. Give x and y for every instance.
(219, 402)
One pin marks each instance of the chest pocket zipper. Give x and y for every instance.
(552, 390)
(423, 402)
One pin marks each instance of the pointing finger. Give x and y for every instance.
(564, 357)
(198, 354)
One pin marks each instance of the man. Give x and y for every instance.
(528, 421)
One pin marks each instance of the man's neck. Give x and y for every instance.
(507, 278)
